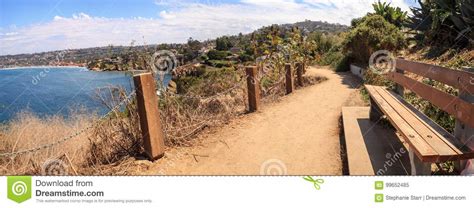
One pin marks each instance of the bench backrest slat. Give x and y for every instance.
(461, 80)
(453, 105)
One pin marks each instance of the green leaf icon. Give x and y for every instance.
(19, 188)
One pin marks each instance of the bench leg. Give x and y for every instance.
(465, 134)
(375, 112)
(417, 166)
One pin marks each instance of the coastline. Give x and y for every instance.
(28, 67)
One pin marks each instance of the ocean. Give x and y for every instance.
(56, 90)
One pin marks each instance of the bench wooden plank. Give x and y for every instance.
(358, 158)
(454, 78)
(443, 148)
(422, 149)
(466, 153)
(455, 106)
(367, 145)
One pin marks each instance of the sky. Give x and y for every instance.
(29, 26)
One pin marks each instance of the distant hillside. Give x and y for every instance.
(311, 26)
(77, 57)
(110, 54)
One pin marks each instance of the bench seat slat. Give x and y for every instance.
(443, 148)
(422, 149)
(409, 121)
(465, 152)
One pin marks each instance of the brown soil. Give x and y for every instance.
(297, 136)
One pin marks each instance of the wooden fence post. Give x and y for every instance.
(253, 88)
(299, 74)
(462, 132)
(147, 102)
(289, 79)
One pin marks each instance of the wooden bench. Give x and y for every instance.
(371, 149)
(428, 142)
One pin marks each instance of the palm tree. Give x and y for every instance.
(394, 15)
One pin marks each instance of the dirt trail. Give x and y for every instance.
(297, 135)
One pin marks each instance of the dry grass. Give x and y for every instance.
(273, 84)
(110, 140)
(184, 115)
(28, 131)
(118, 136)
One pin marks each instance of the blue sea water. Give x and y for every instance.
(56, 90)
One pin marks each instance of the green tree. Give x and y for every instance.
(223, 43)
(191, 50)
(394, 15)
(372, 34)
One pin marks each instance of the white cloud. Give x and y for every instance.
(166, 15)
(175, 24)
(58, 18)
(81, 16)
(272, 3)
(11, 33)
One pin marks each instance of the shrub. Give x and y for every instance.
(207, 83)
(356, 21)
(444, 22)
(334, 56)
(341, 64)
(186, 82)
(217, 55)
(244, 57)
(372, 78)
(436, 114)
(371, 34)
(204, 57)
(219, 63)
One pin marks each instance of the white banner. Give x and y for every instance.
(236, 191)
